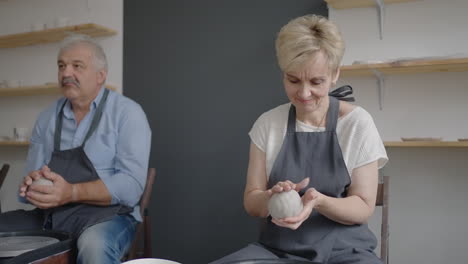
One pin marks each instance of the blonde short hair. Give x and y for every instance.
(300, 40)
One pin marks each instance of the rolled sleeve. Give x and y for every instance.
(133, 146)
(36, 157)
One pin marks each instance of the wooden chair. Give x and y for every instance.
(141, 246)
(383, 200)
(3, 174)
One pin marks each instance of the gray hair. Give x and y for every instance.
(100, 60)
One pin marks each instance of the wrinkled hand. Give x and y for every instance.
(46, 197)
(309, 200)
(28, 180)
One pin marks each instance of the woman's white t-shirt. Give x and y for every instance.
(358, 137)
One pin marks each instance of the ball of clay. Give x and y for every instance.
(42, 181)
(285, 204)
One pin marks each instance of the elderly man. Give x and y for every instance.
(93, 145)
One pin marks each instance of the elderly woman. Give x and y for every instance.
(327, 150)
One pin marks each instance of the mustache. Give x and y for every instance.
(70, 80)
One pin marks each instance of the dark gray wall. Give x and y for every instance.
(203, 71)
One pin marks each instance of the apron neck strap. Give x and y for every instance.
(332, 114)
(97, 117)
(341, 93)
(292, 119)
(58, 128)
(92, 127)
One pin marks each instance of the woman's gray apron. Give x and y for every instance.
(316, 155)
(75, 167)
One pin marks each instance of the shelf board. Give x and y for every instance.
(53, 35)
(30, 90)
(47, 89)
(406, 67)
(422, 144)
(346, 4)
(14, 143)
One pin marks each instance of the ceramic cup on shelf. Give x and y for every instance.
(38, 26)
(12, 83)
(62, 22)
(50, 25)
(20, 134)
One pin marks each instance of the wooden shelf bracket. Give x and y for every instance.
(380, 86)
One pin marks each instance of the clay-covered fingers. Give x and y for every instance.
(295, 222)
(281, 223)
(282, 187)
(40, 189)
(278, 222)
(45, 168)
(32, 176)
(48, 174)
(298, 219)
(28, 180)
(276, 189)
(24, 186)
(310, 195)
(41, 200)
(302, 184)
(309, 200)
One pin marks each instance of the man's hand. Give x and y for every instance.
(45, 197)
(28, 180)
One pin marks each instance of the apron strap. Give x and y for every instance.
(93, 126)
(332, 115)
(340, 93)
(97, 117)
(292, 120)
(58, 128)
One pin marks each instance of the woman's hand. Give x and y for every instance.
(287, 186)
(309, 201)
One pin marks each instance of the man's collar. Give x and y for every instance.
(67, 110)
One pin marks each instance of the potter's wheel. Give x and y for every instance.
(15, 245)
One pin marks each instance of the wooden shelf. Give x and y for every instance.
(30, 90)
(14, 143)
(422, 144)
(406, 67)
(47, 89)
(52, 35)
(346, 4)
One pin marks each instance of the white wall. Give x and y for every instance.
(36, 65)
(428, 211)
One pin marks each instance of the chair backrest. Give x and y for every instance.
(383, 200)
(143, 233)
(3, 174)
(146, 196)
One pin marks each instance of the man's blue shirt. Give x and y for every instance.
(119, 148)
